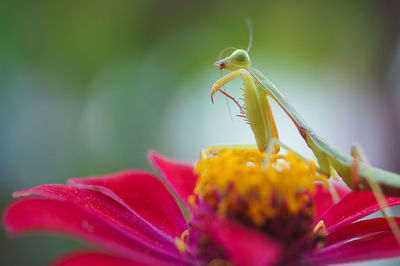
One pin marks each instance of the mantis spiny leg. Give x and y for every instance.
(225, 79)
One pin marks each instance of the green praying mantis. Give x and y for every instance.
(257, 89)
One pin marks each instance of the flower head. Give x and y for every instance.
(274, 199)
(237, 212)
(235, 183)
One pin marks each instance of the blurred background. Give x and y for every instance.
(88, 87)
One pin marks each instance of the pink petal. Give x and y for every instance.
(352, 207)
(180, 176)
(44, 214)
(359, 229)
(85, 258)
(246, 246)
(107, 209)
(378, 246)
(323, 198)
(144, 195)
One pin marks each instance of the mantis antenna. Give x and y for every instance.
(225, 49)
(251, 29)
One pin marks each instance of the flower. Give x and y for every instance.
(190, 216)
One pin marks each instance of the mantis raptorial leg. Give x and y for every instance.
(258, 112)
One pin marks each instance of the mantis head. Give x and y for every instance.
(237, 60)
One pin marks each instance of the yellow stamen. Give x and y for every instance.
(191, 200)
(237, 176)
(320, 228)
(180, 241)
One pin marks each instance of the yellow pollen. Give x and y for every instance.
(234, 178)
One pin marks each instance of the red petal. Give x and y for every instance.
(143, 194)
(359, 229)
(84, 258)
(106, 208)
(246, 246)
(179, 175)
(323, 198)
(41, 214)
(352, 207)
(378, 246)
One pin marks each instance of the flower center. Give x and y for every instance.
(274, 198)
(235, 183)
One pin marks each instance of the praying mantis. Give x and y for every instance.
(257, 89)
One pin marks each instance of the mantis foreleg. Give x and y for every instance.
(257, 109)
(225, 79)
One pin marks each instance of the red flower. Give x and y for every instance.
(133, 219)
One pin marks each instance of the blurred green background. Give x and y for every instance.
(87, 87)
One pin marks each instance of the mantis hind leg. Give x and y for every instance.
(215, 149)
(358, 156)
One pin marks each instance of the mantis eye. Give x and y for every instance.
(240, 55)
(240, 58)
